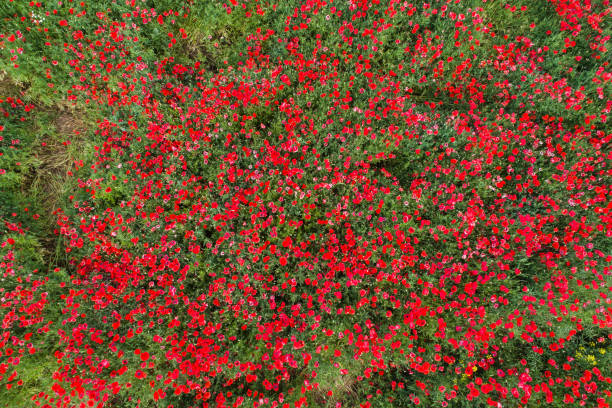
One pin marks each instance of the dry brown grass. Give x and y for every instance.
(9, 88)
(54, 160)
(342, 388)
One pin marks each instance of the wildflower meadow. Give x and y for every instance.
(305, 203)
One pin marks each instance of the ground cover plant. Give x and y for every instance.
(305, 203)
